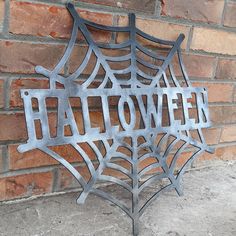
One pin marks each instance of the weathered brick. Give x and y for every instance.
(34, 158)
(217, 92)
(137, 5)
(25, 185)
(226, 153)
(39, 84)
(25, 56)
(226, 69)
(52, 21)
(202, 10)
(29, 83)
(79, 53)
(76, 59)
(37, 158)
(222, 114)
(156, 28)
(2, 93)
(68, 181)
(230, 14)
(12, 127)
(220, 153)
(197, 66)
(215, 41)
(228, 134)
(181, 161)
(212, 135)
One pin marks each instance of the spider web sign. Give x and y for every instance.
(158, 116)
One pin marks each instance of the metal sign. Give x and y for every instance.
(147, 104)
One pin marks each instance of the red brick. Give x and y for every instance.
(25, 56)
(218, 92)
(213, 40)
(230, 15)
(202, 10)
(183, 158)
(2, 93)
(68, 181)
(29, 83)
(34, 158)
(226, 153)
(228, 134)
(220, 153)
(51, 21)
(36, 83)
(76, 59)
(79, 53)
(226, 69)
(212, 135)
(25, 185)
(12, 127)
(222, 115)
(197, 66)
(163, 30)
(37, 158)
(100, 18)
(137, 5)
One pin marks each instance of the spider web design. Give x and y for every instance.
(136, 152)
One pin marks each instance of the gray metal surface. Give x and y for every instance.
(142, 98)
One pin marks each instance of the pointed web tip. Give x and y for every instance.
(132, 18)
(182, 35)
(41, 70)
(211, 150)
(71, 8)
(38, 69)
(69, 5)
(20, 149)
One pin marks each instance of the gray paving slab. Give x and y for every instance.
(208, 208)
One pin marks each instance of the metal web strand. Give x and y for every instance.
(160, 141)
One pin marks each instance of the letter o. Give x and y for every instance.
(132, 113)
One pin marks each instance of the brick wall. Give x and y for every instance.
(36, 32)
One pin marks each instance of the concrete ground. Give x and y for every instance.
(208, 208)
